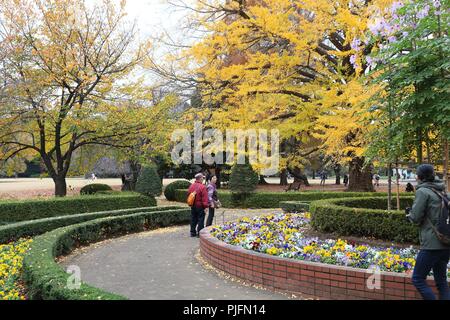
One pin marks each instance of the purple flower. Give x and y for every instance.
(371, 61)
(376, 27)
(423, 12)
(436, 3)
(396, 5)
(405, 33)
(392, 39)
(353, 59)
(387, 29)
(355, 44)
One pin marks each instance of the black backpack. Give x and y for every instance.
(442, 229)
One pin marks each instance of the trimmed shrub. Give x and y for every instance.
(266, 200)
(243, 179)
(15, 231)
(46, 280)
(169, 191)
(109, 192)
(94, 188)
(23, 210)
(149, 183)
(294, 206)
(355, 217)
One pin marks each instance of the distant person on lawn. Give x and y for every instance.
(409, 187)
(346, 179)
(323, 178)
(200, 204)
(212, 199)
(377, 180)
(434, 254)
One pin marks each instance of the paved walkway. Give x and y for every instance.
(161, 264)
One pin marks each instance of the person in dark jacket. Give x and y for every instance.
(433, 254)
(200, 204)
(409, 187)
(346, 179)
(212, 200)
(323, 178)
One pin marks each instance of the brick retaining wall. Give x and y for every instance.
(317, 279)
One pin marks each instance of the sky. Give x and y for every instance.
(154, 16)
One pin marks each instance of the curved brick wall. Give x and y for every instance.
(317, 279)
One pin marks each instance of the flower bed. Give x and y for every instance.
(276, 252)
(11, 258)
(283, 235)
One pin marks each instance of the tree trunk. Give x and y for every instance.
(262, 180)
(360, 177)
(135, 169)
(299, 176)
(446, 176)
(60, 186)
(284, 178)
(337, 172)
(389, 206)
(398, 187)
(419, 146)
(314, 174)
(219, 181)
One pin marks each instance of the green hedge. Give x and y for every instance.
(294, 206)
(16, 211)
(355, 217)
(169, 191)
(15, 231)
(264, 200)
(46, 280)
(94, 188)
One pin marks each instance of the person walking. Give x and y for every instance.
(323, 178)
(409, 187)
(377, 180)
(213, 200)
(345, 179)
(433, 255)
(199, 205)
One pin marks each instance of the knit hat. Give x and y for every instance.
(199, 176)
(425, 172)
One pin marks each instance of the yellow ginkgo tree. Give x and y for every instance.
(291, 65)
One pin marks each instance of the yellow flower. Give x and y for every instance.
(308, 249)
(273, 251)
